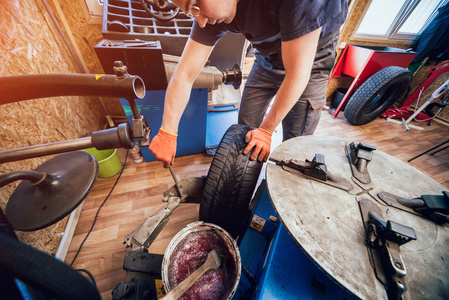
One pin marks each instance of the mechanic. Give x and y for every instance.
(295, 42)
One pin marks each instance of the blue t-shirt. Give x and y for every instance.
(266, 23)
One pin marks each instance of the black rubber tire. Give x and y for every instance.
(43, 272)
(377, 94)
(230, 183)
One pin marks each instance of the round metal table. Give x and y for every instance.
(326, 222)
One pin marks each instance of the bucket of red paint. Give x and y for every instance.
(188, 250)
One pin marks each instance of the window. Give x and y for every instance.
(395, 20)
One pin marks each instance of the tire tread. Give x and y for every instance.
(230, 182)
(355, 108)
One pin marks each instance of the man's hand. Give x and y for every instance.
(260, 140)
(163, 147)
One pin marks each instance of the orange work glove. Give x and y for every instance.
(163, 147)
(260, 140)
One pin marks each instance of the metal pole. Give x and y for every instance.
(46, 149)
(428, 150)
(25, 87)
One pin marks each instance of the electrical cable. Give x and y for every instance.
(98, 211)
(90, 276)
(430, 118)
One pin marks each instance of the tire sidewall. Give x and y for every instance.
(230, 182)
(392, 78)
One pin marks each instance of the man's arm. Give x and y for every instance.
(192, 61)
(298, 56)
(194, 56)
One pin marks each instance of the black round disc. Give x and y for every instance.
(33, 207)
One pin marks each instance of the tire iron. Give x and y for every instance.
(178, 185)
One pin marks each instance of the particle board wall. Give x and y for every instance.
(31, 44)
(419, 77)
(83, 36)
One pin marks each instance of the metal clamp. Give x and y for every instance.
(384, 239)
(359, 156)
(316, 170)
(379, 230)
(435, 207)
(432, 207)
(141, 130)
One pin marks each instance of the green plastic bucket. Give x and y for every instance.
(109, 163)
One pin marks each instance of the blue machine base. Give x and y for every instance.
(279, 267)
(192, 127)
(198, 129)
(218, 121)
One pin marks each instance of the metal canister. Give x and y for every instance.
(135, 152)
(194, 228)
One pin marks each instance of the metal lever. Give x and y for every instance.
(145, 234)
(182, 196)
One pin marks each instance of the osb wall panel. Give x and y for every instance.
(31, 44)
(86, 36)
(357, 8)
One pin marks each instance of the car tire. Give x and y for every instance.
(43, 272)
(377, 94)
(230, 183)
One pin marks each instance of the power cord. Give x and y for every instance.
(96, 215)
(90, 276)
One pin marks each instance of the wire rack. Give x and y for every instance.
(127, 20)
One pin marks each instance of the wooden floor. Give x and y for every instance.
(139, 191)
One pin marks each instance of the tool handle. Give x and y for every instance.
(181, 288)
(178, 186)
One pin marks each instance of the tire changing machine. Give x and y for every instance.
(362, 224)
(274, 267)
